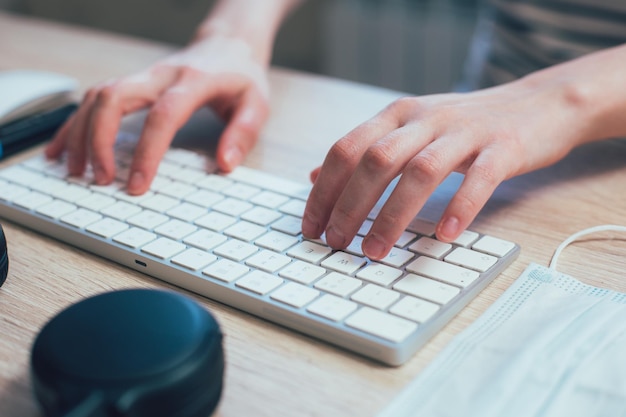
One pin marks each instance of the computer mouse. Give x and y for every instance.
(4, 257)
(24, 92)
(133, 352)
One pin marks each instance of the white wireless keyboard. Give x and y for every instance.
(237, 239)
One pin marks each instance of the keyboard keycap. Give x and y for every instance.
(194, 259)
(259, 282)
(163, 248)
(381, 324)
(442, 271)
(338, 284)
(332, 307)
(296, 295)
(426, 288)
(414, 309)
(375, 296)
(225, 270)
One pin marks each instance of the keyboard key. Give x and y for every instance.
(466, 238)
(32, 200)
(381, 324)
(338, 284)
(147, 219)
(276, 241)
(397, 257)
(20, 175)
(56, 209)
(215, 221)
(241, 191)
(471, 259)
(96, 201)
(232, 206)
(175, 229)
(107, 227)
(293, 207)
(404, 239)
(225, 270)
(204, 198)
(70, 193)
(288, 224)
(235, 250)
(375, 296)
(259, 282)
(121, 210)
(269, 199)
(431, 247)
(187, 212)
(414, 309)
(332, 307)
(442, 271)
(194, 259)
(344, 262)
(379, 274)
(205, 239)
(493, 246)
(309, 251)
(81, 218)
(134, 237)
(188, 175)
(426, 288)
(268, 261)
(9, 192)
(261, 215)
(355, 247)
(302, 272)
(163, 248)
(177, 189)
(245, 231)
(422, 227)
(295, 295)
(214, 182)
(159, 203)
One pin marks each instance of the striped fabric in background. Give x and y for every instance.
(516, 37)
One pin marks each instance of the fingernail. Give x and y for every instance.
(335, 238)
(374, 247)
(449, 228)
(98, 174)
(233, 157)
(136, 181)
(309, 227)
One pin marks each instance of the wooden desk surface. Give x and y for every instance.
(272, 371)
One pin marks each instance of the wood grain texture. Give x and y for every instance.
(272, 371)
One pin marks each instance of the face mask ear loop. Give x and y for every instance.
(572, 238)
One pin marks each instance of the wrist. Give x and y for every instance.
(250, 21)
(587, 94)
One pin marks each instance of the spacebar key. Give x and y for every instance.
(381, 324)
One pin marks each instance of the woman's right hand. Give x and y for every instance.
(216, 71)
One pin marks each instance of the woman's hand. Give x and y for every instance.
(489, 135)
(216, 71)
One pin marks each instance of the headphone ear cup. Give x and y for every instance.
(133, 352)
(4, 257)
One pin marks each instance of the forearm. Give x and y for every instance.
(590, 94)
(254, 22)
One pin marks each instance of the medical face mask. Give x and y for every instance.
(550, 346)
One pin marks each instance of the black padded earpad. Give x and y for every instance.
(138, 352)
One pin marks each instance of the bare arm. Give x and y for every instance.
(225, 67)
(489, 135)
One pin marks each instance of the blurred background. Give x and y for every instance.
(416, 46)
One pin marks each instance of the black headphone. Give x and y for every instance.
(4, 258)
